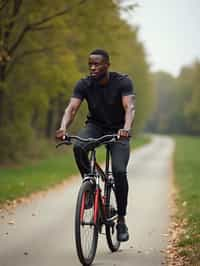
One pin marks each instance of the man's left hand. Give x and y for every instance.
(123, 133)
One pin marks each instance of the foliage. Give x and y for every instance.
(192, 108)
(43, 52)
(177, 107)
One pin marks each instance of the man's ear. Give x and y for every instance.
(108, 64)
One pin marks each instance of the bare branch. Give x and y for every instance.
(3, 4)
(42, 28)
(16, 9)
(19, 57)
(58, 14)
(35, 51)
(20, 38)
(34, 26)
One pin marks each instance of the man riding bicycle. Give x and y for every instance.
(111, 103)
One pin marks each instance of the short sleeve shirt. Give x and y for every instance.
(105, 102)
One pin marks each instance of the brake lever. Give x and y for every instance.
(65, 142)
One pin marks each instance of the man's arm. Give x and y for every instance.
(68, 116)
(129, 107)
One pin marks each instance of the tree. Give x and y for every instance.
(51, 56)
(27, 83)
(190, 80)
(177, 108)
(19, 19)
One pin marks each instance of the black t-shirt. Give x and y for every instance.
(105, 102)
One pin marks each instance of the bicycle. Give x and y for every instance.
(96, 204)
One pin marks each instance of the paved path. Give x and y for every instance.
(42, 233)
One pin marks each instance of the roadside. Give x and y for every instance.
(184, 243)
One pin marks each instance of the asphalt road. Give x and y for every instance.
(40, 233)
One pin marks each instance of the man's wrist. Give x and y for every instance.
(126, 129)
(62, 129)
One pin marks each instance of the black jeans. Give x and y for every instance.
(120, 152)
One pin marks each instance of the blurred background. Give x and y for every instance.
(44, 47)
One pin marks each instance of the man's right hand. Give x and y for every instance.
(60, 134)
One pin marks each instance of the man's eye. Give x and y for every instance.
(94, 64)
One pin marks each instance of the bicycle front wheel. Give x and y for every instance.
(111, 231)
(86, 232)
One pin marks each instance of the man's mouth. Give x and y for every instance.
(94, 74)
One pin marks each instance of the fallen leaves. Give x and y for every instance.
(184, 204)
(174, 257)
(176, 229)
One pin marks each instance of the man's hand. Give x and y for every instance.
(60, 134)
(123, 133)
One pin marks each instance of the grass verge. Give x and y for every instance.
(187, 173)
(23, 180)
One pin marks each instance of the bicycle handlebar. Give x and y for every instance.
(102, 140)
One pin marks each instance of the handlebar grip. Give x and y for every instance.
(66, 142)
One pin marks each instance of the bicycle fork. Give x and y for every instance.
(96, 204)
(99, 207)
(82, 207)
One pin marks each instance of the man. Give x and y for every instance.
(111, 104)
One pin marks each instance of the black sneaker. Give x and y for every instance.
(122, 232)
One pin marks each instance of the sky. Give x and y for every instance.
(170, 32)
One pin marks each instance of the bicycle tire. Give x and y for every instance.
(111, 231)
(85, 207)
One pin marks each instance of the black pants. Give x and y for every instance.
(120, 152)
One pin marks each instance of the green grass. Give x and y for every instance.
(22, 180)
(187, 172)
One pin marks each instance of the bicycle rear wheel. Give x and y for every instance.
(86, 232)
(111, 231)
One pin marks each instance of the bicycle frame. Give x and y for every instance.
(100, 205)
(96, 173)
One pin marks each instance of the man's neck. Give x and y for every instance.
(105, 80)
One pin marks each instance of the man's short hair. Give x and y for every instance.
(102, 53)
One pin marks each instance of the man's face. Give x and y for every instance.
(98, 66)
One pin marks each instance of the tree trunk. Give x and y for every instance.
(49, 122)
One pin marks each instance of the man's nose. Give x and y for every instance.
(92, 67)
